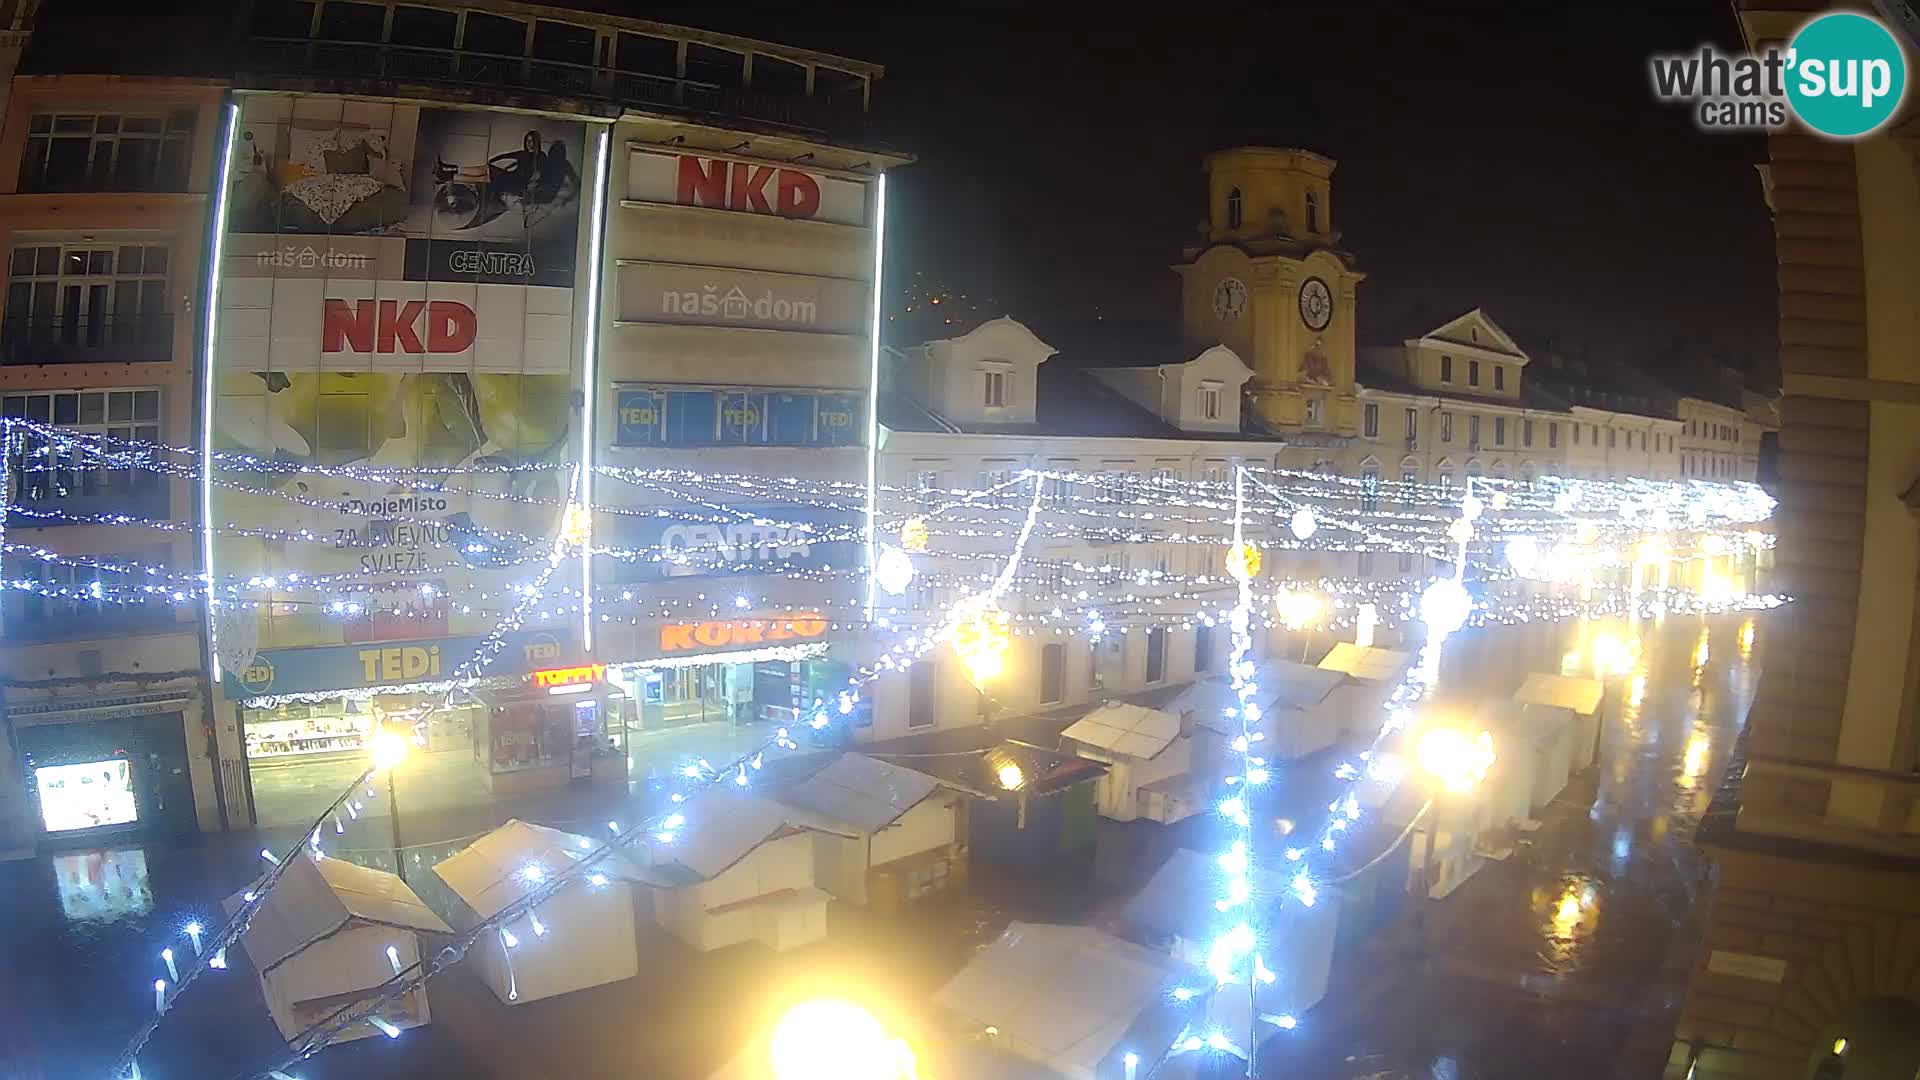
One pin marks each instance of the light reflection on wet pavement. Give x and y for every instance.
(1567, 959)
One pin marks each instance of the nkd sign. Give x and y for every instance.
(745, 187)
(393, 326)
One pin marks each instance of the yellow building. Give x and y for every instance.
(1812, 945)
(1270, 282)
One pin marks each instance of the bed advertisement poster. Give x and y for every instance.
(397, 294)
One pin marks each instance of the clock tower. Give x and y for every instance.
(1269, 281)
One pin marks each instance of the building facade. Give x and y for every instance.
(104, 185)
(1808, 964)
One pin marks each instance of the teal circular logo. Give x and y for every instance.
(1845, 74)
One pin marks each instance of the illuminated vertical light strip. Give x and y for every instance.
(589, 380)
(873, 379)
(215, 271)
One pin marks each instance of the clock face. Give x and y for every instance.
(1229, 298)
(1316, 304)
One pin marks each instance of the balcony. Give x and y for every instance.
(146, 339)
(278, 58)
(50, 498)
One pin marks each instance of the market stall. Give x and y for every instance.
(329, 931)
(1372, 675)
(582, 936)
(1576, 700)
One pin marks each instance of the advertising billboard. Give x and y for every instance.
(402, 288)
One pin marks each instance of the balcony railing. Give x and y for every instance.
(408, 64)
(54, 497)
(145, 339)
(1874, 810)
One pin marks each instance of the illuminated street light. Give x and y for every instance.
(1297, 610)
(1453, 759)
(1011, 777)
(827, 1039)
(389, 748)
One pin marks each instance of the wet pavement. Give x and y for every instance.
(1568, 959)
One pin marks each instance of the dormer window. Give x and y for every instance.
(1313, 211)
(1210, 401)
(1235, 209)
(993, 388)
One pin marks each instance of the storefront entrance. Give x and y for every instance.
(122, 778)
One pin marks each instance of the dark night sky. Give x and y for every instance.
(1505, 156)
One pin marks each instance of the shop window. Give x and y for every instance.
(923, 680)
(1053, 674)
(1156, 655)
(1202, 649)
(107, 151)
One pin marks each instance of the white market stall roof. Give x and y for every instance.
(1179, 898)
(1066, 995)
(1280, 683)
(515, 859)
(862, 792)
(316, 899)
(1366, 663)
(723, 826)
(1561, 691)
(1132, 730)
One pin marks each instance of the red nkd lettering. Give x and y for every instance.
(390, 326)
(702, 183)
(797, 194)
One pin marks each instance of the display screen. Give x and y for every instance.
(103, 885)
(86, 795)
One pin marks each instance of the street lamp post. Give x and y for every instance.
(389, 750)
(1455, 763)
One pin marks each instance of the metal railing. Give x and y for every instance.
(136, 340)
(400, 63)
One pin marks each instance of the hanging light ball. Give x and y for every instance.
(913, 534)
(1499, 500)
(1568, 497)
(1243, 562)
(1471, 506)
(893, 571)
(1523, 554)
(1460, 531)
(1444, 607)
(1302, 524)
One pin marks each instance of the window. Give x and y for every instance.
(1316, 411)
(89, 296)
(994, 389)
(352, 22)
(1406, 562)
(1215, 472)
(47, 475)
(1526, 433)
(1612, 438)
(1499, 376)
(1445, 480)
(923, 680)
(1370, 421)
(1446, 427)
(1234, 209)
(1202, 649)
(107, 152)
(1209, 401)
(31, 610)
(1473, 373)
(1053, 674)
(1157, 654)
(1576, 434)
(1370, 487)
(1409, 477)
(1446, 369)
(926, 482)
(419, 26)
(1594, 430)
(1553, 436)
(1313, 211)
(1473, 432)
(1499, 431)
(1364, 564)
(1413, 428)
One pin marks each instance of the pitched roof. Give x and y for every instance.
(1279, 684)
(514, 859)
(1179, 897)
(1365, 663)
(723, 825)
(1132, 730)
(1532, 396)
(859, 791)
(1562, 691)
(1062, 995)
(313, 900)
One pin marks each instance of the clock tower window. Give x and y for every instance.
(1235, 209)
(1313, 211)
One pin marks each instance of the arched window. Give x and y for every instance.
(1234, 209)
(1313, 211)
(1370, 485)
